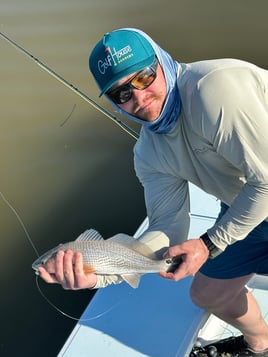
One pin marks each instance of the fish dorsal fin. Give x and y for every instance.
(89, 235)
(134, 244)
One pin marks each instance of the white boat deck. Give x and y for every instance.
(156, 320)
(136, 323)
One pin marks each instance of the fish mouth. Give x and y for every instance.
(41, 261)
(38, 263)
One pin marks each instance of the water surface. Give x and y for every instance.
(64, 166)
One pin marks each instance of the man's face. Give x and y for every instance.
(146, 104)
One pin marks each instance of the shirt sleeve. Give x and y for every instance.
(233, 109)
(105, 280)
(166, 198)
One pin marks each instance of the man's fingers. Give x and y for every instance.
(78, 264)
(179, 273)
(47, 277)
(165, 275)
(67, 270)
(68, 273)
(79, 273)
(175, 251)
(59, 266)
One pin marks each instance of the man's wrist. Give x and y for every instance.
(214, 251)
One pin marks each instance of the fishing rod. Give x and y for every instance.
(69, 85)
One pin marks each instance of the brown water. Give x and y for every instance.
(64, 166)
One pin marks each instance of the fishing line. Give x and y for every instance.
(37, 283)
(69, 85)
(65, 313)
(51, 303)
(21, 223)
(37, 254)
(70, 316)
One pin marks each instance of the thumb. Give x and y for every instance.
(174, 251)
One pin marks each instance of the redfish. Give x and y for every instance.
(119, 255)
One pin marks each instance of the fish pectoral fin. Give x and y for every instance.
(88, 268)
(132, 279)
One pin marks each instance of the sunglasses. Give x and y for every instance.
(140, 81)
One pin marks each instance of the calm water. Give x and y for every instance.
(65, 167)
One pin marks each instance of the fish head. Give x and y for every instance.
(47, 260)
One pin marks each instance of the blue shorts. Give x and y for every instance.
(244, 257)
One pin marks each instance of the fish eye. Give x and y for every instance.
(169, 261)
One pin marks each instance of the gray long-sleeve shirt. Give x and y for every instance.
(219, 143)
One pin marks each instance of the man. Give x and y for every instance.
(205, 123)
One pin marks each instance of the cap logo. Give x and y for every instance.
(114, 58)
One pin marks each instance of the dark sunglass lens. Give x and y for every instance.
(125, 95)
(121, 95)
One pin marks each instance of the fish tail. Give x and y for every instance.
(175, 262)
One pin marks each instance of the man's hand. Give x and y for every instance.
(67, 269)
(193, 253)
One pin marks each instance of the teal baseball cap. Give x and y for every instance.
(118, 54)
